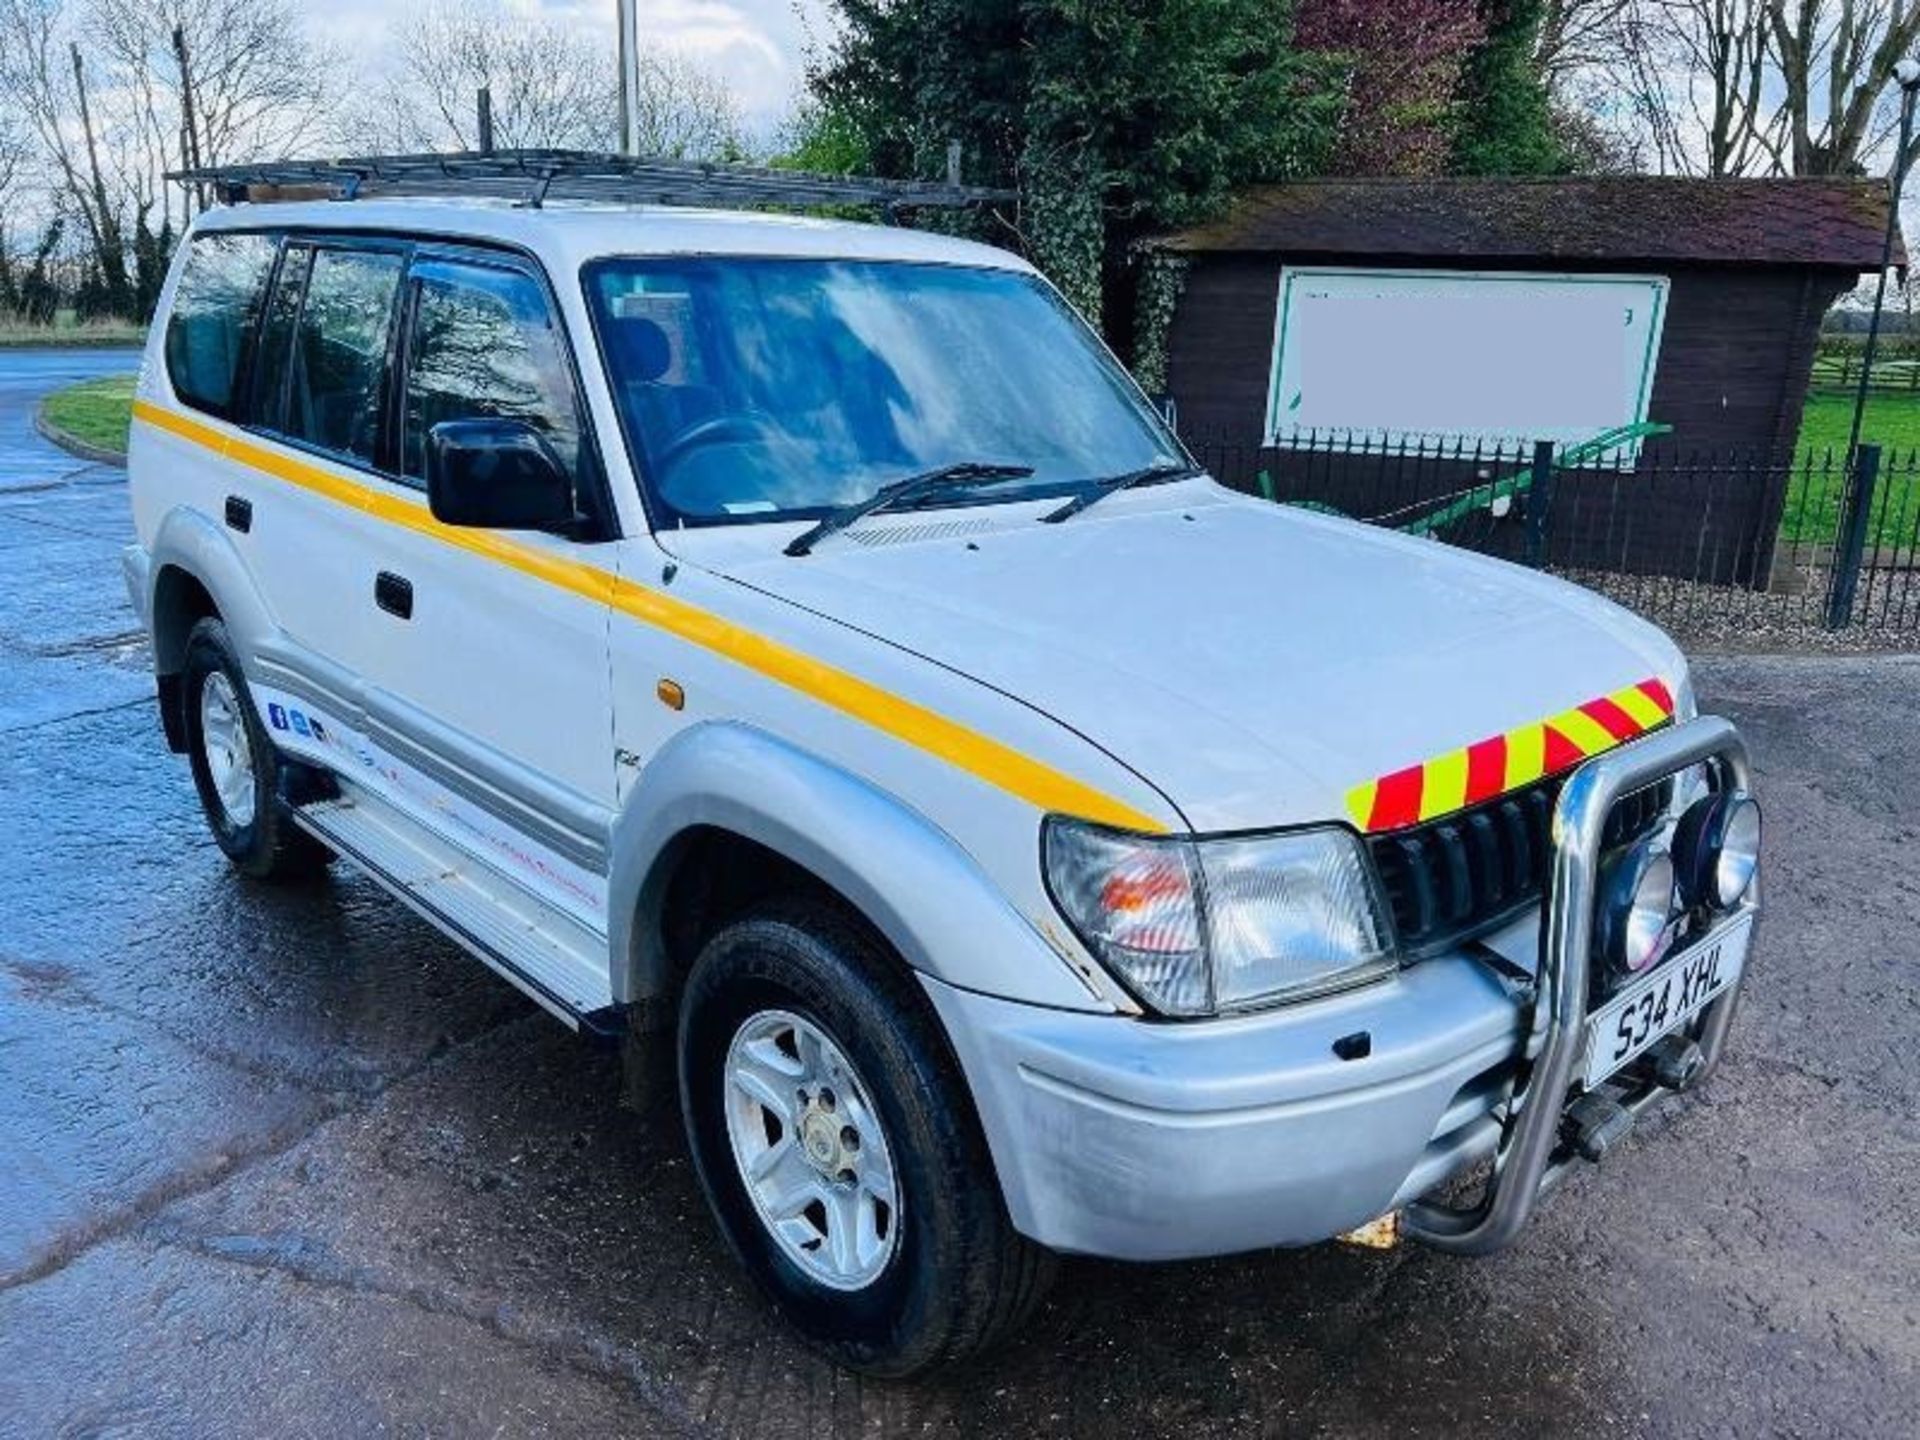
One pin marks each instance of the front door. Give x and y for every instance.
(492, 678)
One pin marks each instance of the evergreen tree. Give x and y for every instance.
(1111, 119)
(1505, 124)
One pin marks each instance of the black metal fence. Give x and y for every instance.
(1742, 545)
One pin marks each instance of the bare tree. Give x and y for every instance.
(44, 73)
(1578, 34)
(1836, 58)
(259, 84)
(550, 86)
(1748, 87)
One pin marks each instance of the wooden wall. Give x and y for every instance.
(1735, 355)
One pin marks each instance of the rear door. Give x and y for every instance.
(319, 388)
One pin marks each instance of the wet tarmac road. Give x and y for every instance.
(285, 1161)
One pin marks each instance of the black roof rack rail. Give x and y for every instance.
(533, 176)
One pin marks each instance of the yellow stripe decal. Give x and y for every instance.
(1526, 755)
(1445, 785)
(987, 759)
(1584, 732)
(1640, 705)
(1360, 802)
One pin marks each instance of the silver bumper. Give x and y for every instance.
(1144, 1141)
(1159, 1141)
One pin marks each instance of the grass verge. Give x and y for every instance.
(94, 412)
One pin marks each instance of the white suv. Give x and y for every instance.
(799, 649)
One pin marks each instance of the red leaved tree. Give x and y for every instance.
(1405, 57)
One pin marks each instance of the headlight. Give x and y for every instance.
(1636, 909)
(1716, 848)
(1196, 927)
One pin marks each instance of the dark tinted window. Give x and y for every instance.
(340, 351)
(484, 344)
(274, 353)
(214, 309)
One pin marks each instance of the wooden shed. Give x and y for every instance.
(1501, 311)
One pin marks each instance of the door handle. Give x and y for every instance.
(239, 513)
(393, 594)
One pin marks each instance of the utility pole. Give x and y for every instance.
(629, 20)
(189, 128)
(1907, 75)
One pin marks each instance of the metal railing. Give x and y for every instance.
(1754, 543)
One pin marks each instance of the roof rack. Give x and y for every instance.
(534, 176)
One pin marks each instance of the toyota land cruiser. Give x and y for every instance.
(797, 648)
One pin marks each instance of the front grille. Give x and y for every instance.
(1461, 876)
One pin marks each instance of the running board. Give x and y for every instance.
(557, 961)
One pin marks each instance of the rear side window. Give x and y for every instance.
(484, 346)
(339, 351)
(215, 308)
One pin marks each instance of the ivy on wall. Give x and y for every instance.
(1061, 220)
(1163, 276)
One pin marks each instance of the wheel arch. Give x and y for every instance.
(197, 572)
(724, 795)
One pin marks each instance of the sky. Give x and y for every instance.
(757, 45)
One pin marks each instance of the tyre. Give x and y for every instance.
(236, 768)
(838, 1147)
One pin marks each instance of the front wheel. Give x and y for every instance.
(834, 1137)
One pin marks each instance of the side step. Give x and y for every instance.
(557, 961)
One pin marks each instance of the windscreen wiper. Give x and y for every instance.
(967, 472)
(1098, 490)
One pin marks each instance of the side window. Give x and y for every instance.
(215, 307)
(340, 351)
(273, 357)
(484, 345)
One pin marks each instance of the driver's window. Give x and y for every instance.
(484, 346)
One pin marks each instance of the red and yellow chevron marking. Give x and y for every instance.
(1506, 762)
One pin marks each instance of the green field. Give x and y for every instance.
(1813, 500)
(68, 331)
(98, 412)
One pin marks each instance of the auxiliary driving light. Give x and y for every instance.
(1636, 909)
(1716, 849)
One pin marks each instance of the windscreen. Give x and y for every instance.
(758, 389)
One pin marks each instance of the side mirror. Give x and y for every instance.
(496, 475)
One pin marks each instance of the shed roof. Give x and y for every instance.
(1837, 222)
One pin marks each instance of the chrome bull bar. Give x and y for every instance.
(1523, 1164)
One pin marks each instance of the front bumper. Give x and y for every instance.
(1140, 1140)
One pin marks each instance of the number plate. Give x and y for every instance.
(1663, 1001)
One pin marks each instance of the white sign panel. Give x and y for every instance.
(1406, 356)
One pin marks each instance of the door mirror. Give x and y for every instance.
(496, 475)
